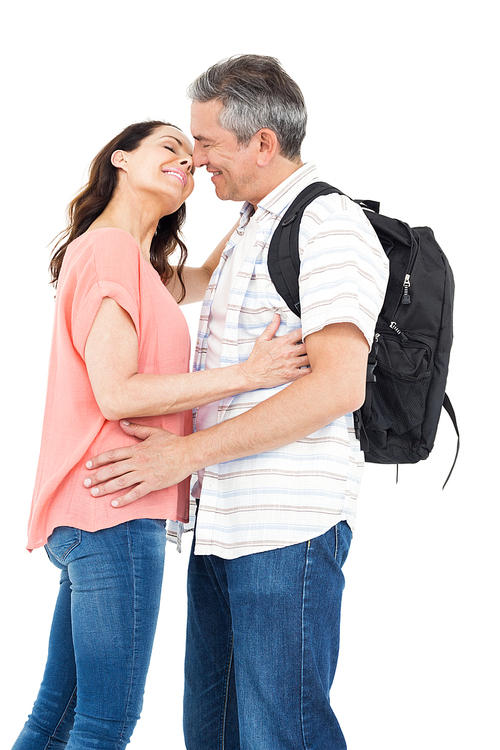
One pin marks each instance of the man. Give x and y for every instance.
(277, 498)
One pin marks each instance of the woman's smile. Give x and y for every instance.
(178, 173)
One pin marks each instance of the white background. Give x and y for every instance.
(402, 104)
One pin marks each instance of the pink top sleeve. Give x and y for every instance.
(106, 269)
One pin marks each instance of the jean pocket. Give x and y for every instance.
(62, 541)
(343, 538)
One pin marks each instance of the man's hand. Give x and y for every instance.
(335, 386)
(158, 462)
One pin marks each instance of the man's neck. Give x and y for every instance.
(281, 171)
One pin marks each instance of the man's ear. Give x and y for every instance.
(119, 159)
(268, 146)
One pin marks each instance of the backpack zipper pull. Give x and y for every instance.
(406, 294)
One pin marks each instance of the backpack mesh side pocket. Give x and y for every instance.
(398, 403)
(399, 394)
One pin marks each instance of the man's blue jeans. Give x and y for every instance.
(262, 647)
(101, 637)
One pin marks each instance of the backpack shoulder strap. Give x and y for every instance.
(283, 258)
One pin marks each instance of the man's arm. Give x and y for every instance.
(336, 386)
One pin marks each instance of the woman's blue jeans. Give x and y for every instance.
(262, 647)
(101, 637)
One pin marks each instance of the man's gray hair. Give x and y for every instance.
(255, 93)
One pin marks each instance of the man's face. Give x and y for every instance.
(232, 166)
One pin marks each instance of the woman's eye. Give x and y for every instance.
(170, 148)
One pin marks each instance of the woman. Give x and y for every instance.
(117, 331)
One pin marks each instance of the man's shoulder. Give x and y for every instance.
(329, 207)
(335, 210)
(333, 222)
(279, 199)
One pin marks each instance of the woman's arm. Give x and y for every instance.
(336, 386)
(196, 279)
(111, 357)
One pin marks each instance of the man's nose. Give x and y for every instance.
(199, 156)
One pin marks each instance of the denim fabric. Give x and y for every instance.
(101, 637)
(262, 647)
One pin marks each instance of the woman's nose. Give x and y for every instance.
(187, 162)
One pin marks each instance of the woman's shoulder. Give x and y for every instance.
(104, 237)
(106, 253)
(103, 245)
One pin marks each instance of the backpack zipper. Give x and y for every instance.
(406, 290)
(405, 299)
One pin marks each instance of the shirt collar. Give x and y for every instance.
(278, 200)
(246, 214)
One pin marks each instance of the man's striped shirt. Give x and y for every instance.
(301, 490)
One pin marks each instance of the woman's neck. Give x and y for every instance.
(138, 223)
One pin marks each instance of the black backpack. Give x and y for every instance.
(408, 362)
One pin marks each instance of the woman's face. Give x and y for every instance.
(161, 168)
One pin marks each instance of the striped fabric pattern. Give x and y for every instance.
(299, 491)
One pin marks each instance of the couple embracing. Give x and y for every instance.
(277, 461)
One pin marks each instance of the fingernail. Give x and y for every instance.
(87, 482)
(89, 464)
(94, 491)
(114, 503)
(124, 421)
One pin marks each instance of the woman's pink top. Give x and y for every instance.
(103, 263)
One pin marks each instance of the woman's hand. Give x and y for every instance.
(111, 356)
(276, 360)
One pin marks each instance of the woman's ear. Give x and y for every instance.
(119, 159)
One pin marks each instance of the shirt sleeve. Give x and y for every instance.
(344, 269)
(109, 267)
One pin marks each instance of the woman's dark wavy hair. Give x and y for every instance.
(95, 196)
